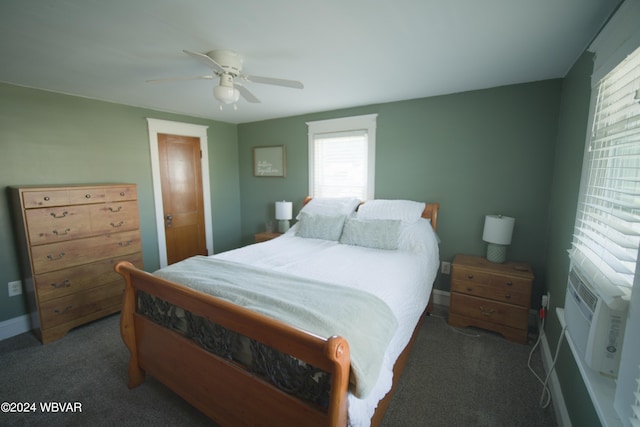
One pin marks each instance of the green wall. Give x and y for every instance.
(476, 153)
(572, 133)
(48, 138)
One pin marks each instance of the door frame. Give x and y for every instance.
(157, 126)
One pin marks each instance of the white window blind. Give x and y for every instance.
(340, 164)
(607, 231)
(342, 157)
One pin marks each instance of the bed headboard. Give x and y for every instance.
(430, 212)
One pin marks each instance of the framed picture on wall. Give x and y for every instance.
(269, 161)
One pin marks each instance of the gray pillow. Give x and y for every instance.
(378, 234)
(317, 226)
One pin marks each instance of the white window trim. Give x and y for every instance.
(344, 124)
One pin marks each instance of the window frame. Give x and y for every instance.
(367, 122)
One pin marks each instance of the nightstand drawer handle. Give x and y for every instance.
(486, 312)
(469, 289)
(469, 276)
(507, 296)
(64, 284)
(64, 310)
(54, 258)
(509, 283)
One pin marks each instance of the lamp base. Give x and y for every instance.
(496, 253)
(283, 225)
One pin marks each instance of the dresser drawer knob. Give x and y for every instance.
(117, 225)
(507, 296)
(64, 284)
(46, 198)
(122, 193)
(487, 312)
(469, 289)
(509, 283)
(469, 276)
(115, 210)
(61, 233)
(127, 243)
(53, 214)
(54, 258)
(88, 195)
(64, 310)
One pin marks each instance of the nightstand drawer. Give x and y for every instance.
(489, 311)
(469, 275)
(519, 294)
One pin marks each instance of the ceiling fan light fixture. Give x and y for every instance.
(226, 94)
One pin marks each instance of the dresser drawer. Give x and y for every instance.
(71, 307)
(60, 283)
(519, 294)
(80, 196)
(57, 224)
(489, 311)
(57, 256)
(39, 199)
(127, 192)
(115, 216)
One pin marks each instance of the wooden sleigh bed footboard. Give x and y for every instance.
(217, 385)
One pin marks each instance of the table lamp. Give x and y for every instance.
(283, 215)
(497, 233)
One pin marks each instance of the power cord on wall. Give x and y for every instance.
(545, 396)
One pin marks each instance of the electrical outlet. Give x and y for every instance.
(545, 300)
(15, 288)
(445, 268)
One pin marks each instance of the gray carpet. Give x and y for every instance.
(453, 378)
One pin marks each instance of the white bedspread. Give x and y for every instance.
(402, 279)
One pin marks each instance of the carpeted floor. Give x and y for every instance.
(453, 377)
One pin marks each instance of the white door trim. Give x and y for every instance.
(157, 126)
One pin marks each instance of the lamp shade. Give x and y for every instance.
(284, 210)
(498, 229)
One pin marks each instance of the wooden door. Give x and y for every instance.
(182, 201)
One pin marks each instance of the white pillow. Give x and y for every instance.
(403, 210)
(377, 234)
(330, 206)
(417, 237)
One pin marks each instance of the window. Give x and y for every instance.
(342, 157)
(607, 230)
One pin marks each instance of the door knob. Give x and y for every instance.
(169, 220)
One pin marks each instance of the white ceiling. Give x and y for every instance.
(346, 52)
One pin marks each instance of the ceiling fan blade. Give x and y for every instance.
(177, 79)
(206, 60)
(246, 94)
(273, 81)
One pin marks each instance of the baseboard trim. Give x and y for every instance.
(559, 406)
(15, 326)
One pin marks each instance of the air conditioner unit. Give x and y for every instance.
(596, 329)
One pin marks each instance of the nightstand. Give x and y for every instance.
(266, 235)
(491, 296)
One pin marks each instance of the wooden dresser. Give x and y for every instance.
(69, 239)
(491, 296)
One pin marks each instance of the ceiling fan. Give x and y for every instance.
(227, 65)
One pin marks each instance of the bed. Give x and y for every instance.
(243, 354)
